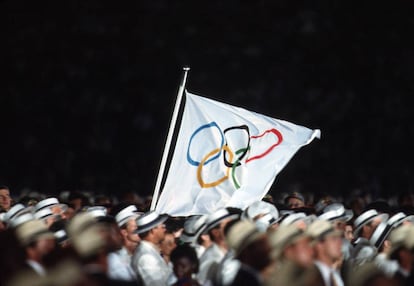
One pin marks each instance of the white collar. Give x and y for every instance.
(37, 267)
(326, 272)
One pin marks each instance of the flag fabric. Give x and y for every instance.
(226, 156)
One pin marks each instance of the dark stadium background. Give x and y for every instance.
(88, 87)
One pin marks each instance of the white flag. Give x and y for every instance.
(226, 156)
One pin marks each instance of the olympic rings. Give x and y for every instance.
(240, 154)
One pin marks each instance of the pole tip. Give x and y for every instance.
(186, 68)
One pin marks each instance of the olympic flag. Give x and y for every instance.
(226, 156)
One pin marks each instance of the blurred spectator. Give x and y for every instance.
(13, 256)
(5, 198)
(77, 200)
(248, 243)
(294, 200)
(37, 241)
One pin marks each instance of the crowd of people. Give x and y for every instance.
(78, 238)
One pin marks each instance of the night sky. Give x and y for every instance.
(88, 87)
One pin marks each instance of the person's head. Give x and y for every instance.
(151, 227)
(337, 214)
(215, 224)
(113, 235)
(185, 261)
(77, 200)
(104, 200)
(109, 228)
(128, 232)
(294, 200)
(35, 237)
(259, 209)
(366, 223)
(248, 243)
(349, 232)
(125, 216)
(47, 216)
(402, 246)
(192, 229)
(90, 240)
(168, 244)
(291, 243)
(54, 205)
(327, 241)
(5, 198)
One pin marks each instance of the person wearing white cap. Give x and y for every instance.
(364, 227)
(146, 261)
(264, 214)
(54, 205)
(193, 233)
(380, 240)
(46, 215)
(339, 216)
(366, 223)
(213, 255)
(119, 261)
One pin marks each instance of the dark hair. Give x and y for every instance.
(185, 250)
(4, 187)
(79, 195)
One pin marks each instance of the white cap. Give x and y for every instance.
(48, 203)
(123, 216)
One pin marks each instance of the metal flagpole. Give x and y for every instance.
(169, 139)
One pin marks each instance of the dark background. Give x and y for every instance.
(88, 87)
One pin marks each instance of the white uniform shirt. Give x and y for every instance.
(212, 256)
(149, 265)
(119, 266)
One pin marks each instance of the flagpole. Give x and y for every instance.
(169, 138)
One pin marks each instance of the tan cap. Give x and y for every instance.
(241, 235)
(80, 222)
(86, 234)
(284, 236)
(33, 230)
(402, 237)
(321, 228)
